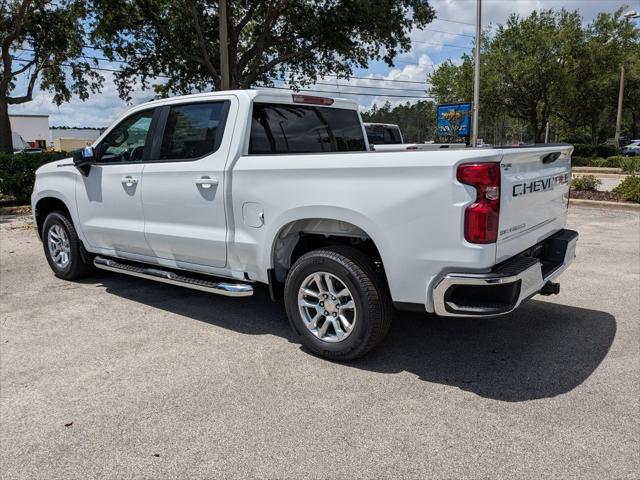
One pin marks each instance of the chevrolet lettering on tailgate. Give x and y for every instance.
(539, 185)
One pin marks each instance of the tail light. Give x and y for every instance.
(481, 217)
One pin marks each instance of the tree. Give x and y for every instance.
(529, 56)
(549, 67)
(417, 121)
(592, 76)
(300, 40)
(42, 40)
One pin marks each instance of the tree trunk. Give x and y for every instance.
(635, 122)
(6, 142)
(533, 123)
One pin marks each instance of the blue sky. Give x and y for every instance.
(449, 36)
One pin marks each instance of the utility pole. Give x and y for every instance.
(476, 77)
(225, 82)
(616, 140)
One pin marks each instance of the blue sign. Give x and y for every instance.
(454, 120)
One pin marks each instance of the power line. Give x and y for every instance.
(103, 69)
(455, 21)
(449, 33)
(372, 79)
(442, 44)
(368, 87)
(424, 97)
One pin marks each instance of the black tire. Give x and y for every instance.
(79, 264)
(369, 291)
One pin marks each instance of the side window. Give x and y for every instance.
(192, 131)
(283, 128)
(125, 143)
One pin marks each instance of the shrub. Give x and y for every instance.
(580, 161)
(607, 151)
(599, 162)
(628, 164)
(629, 188)
(17, 173)
(585, 182)
(614, 162)
(583, 149)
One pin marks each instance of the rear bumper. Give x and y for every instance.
(509, 284)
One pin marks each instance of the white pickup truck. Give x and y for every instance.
(220, 191)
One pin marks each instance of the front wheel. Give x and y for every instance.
(63, 249)
(338, 302)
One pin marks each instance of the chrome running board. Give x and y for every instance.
(165, 276)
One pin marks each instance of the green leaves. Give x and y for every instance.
(268, 40)
(43, 41)
(549, 67)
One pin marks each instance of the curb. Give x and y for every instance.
(621, 176)
(579, 202)
(16, 210)
(596, 170)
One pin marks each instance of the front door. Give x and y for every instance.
(108, 198)
(183, 194)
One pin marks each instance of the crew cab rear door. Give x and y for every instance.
(183, 183)
(534, 196)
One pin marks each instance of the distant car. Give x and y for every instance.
(30, 150)
(383, 134)
(632, 149)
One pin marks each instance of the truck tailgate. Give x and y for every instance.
(534, 196)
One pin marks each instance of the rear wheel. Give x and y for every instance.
(338, 302)
(62, 247)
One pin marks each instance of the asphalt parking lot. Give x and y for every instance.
(118, 377)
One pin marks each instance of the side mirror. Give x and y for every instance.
(83, 159)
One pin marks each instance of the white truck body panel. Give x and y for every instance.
(408, 203)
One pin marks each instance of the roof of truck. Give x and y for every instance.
(268, 95)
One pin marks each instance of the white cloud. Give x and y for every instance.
(98, 111)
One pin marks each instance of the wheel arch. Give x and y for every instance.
(314, 229)
(44, 206)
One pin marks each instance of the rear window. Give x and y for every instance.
(304, 129)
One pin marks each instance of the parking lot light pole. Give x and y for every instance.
(616, 140)
(225, 83)
(476, 78)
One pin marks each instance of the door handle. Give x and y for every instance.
(129, 181)
(206, 182)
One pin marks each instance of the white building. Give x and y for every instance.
(33, 128)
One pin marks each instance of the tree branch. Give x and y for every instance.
(258, 48)
(255, 72)
(24, 68)
(244, 21)
(29, 95)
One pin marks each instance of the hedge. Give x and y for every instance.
(588, 150)
(627, 164)
(17, 173)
